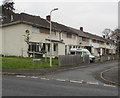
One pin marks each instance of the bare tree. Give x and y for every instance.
(106, 33)
(117, 33)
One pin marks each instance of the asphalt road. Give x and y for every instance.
(86, 74)
(77, 82)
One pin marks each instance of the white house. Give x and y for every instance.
(27, 35)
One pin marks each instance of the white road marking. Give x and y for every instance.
(109, 85)
(95, 83)
(21, 76)
(62, 80)
(34, 77)
(44, 79)
(73, 81)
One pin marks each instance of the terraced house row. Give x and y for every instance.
(24, 35)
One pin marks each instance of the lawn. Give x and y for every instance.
(27, 63)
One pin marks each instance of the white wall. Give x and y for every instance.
(61, 49)
(15, 45)
(13, 40)
(70, 41)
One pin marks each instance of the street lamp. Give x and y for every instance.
(50, 36)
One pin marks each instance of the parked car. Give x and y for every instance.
(83, 52)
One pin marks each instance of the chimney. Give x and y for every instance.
(48, 17)
(103, 36)
(81, 28)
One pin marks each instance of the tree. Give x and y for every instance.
(8, 4)
(116, 37)
(106, 33)
(117, 32)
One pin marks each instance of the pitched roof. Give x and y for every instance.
(40, 22)
(79, 32)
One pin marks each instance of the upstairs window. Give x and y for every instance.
(101, 42)
(45, 31)
(69, 35)
(64, 35)
(53, 33)
(84, 39)
(93, 40)
(74, 36)
(35, 30)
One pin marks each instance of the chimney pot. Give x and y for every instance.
(81, 28)
(48, 17)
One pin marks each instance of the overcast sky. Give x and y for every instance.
(93, 16)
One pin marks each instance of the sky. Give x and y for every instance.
(94, 16)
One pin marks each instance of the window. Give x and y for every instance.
(43, 47)
(83, 39)
(53, 33)
(64, 35)
(98, 41)
(45, 31)
(33, 47)
(35, 30)
(101, 42)
(107, 43)
(69, 35)
(72, 52)
(74, 36)
(94, 41)
(55, 47)
(48, 47)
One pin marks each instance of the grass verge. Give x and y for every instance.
(27, 63)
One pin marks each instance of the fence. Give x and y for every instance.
(108, 58)
(66, 60)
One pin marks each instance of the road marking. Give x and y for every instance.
(34, 77)
(73, 81)
(21, 76)
(62, 80)
(94, 83)
(44, 79)
(109, 85)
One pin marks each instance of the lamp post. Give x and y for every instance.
(50, 36)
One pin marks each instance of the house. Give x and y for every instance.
(28, 35)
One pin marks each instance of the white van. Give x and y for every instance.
(83, 52)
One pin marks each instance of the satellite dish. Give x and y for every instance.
(27, 31)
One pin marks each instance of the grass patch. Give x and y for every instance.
(27, 63)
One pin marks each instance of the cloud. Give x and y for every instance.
(93, 16)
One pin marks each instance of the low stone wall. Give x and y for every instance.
(67, 60)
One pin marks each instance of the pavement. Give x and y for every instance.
(37, 72)
(110, 76)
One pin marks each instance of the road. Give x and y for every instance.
(76, 82)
